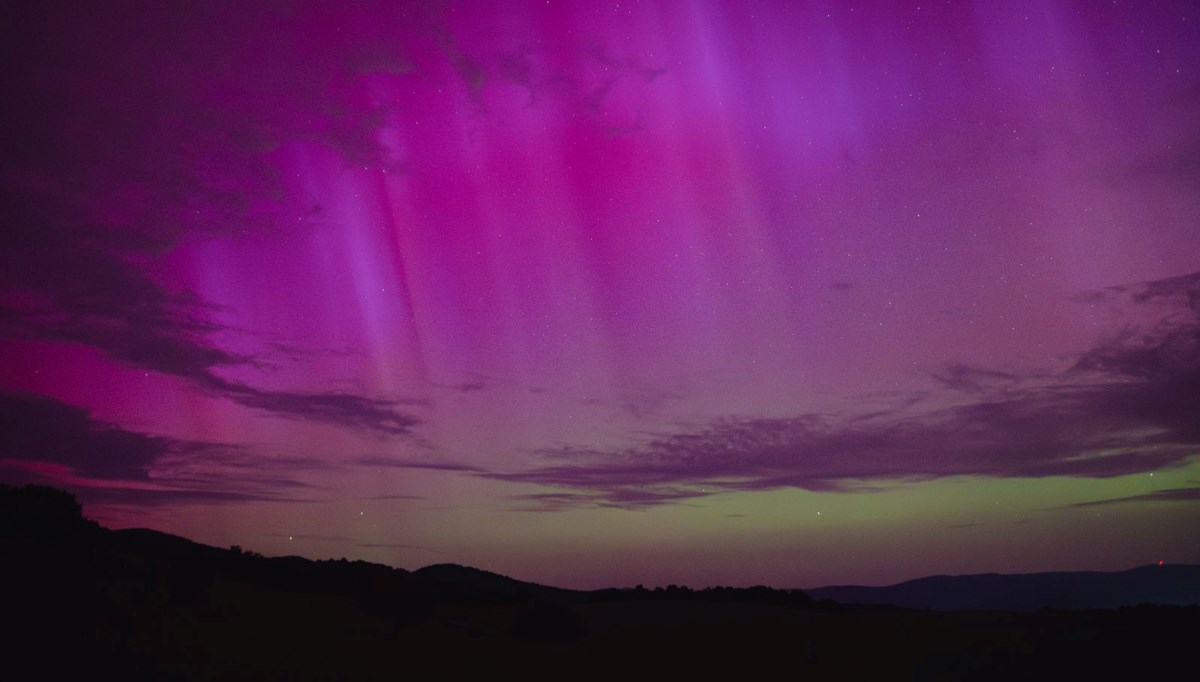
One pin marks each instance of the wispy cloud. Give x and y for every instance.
(616, 497)
(342, 409)
(1128, 405)
(392, 545)
(58, 284)
(394, 463)
(964, 526)
(48, 441)
(1168, 495)
(395, 497)
(965, 377)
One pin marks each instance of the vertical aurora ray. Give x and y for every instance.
(625, 293)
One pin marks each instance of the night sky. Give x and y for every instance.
(591, 294)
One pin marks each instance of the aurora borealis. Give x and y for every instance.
(593, 294)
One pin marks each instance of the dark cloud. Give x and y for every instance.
(1130, 404)
(1178, 162)
(39, 429)
(59, 288)
(380, 461)
(171, 496)
(342, 409)
(464, 387)
(47, 441)
(217, 466)
(108, 163)
(615, 497)
(1168, 495)
(1165, 351)
(395, 497)
(963, 526)
(964, 377)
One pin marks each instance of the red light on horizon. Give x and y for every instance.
(1160, 562)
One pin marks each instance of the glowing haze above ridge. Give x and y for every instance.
(593, 294)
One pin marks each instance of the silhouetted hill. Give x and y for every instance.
(472, 585)
(80, 600)
(1166, 585)
(40, 515)
(153, 543)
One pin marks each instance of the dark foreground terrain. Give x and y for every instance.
(82, 600)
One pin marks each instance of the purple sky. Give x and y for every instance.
(595, 294)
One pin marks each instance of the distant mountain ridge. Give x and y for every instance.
(1176, 585)
(47, 527)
